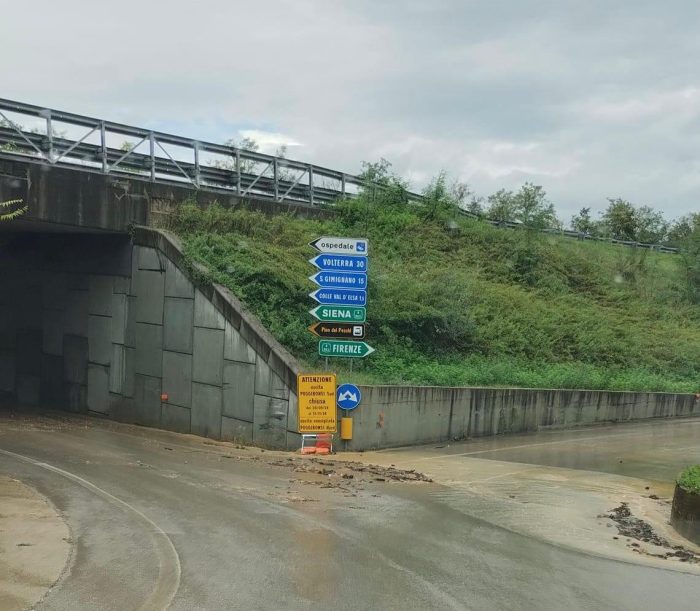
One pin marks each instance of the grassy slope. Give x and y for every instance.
(463, 303)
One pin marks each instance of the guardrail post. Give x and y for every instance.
(238, 171)
(103, 142)
(311, 184)
(275, 174)
(196, 165)
(152, 149)
(49, 134)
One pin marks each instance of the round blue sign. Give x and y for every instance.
(348, 396)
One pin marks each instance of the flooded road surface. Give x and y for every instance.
(160, 520)
(653, 450)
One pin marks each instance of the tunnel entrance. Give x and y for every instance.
(62, 310)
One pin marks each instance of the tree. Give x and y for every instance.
(584, 223)
(533, 209)
(682, 228)
(620, 219)
(690, 261)
(12, 209)
(651, 227)
(501, 206)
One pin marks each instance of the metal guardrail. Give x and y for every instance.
(578, 235)
(204, 165)
(161, 157)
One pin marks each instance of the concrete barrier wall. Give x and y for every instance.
(405, 415)
(114, 343)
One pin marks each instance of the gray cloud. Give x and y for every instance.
(591, 99)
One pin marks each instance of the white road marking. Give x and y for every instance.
(169, 570)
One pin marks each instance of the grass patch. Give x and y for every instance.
(689, 479)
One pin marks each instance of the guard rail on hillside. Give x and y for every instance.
(61, 138)
(578, 235)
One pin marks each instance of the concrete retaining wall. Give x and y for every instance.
(405, 415)
(112, 343)
(108, 325)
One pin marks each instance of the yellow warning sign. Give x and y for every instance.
(317, 410)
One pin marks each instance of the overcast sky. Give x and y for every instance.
(589, 98)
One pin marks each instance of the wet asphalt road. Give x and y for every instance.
(160, 519)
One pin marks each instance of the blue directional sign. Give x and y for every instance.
(348, 396)
(340, 263)
(340, 280)
(340, 297)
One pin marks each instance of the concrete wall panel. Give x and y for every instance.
(205, 314)
(75, 359)
(98, 388)
(175, 418)
(99, 339)
(149, 350)
(28, 389)
(239, 390)
(116, 369)
(101, 290)
(147, 406)
(235, 348)
(177, 378)
(177, 324)
(148, 287)
(76, 317)
(119, 314)
(208, 356)
(206, 410)
(270, 421)
(268, 383)
(176, 283)
(236, 430)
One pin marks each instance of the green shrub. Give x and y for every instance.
(689, 479)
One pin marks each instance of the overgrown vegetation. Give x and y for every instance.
(455, 301)
(689, 479)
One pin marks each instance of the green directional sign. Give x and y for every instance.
(338, 347)
(331, 313)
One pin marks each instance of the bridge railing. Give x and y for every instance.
(62, 138)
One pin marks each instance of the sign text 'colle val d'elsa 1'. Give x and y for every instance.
(339, 347)
(328, 313)
(316, 394)
(340, 263)
(340, 280)
(347, 246)
(340, 297)
(338, 330)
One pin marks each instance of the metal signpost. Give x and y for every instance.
(342, 294)
(342, 278)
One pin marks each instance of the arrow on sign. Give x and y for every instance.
(340, 297)
(328, 313)
(337, 347)
(347, 246)
(340, 263)
(342, 330)
(347, 280)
